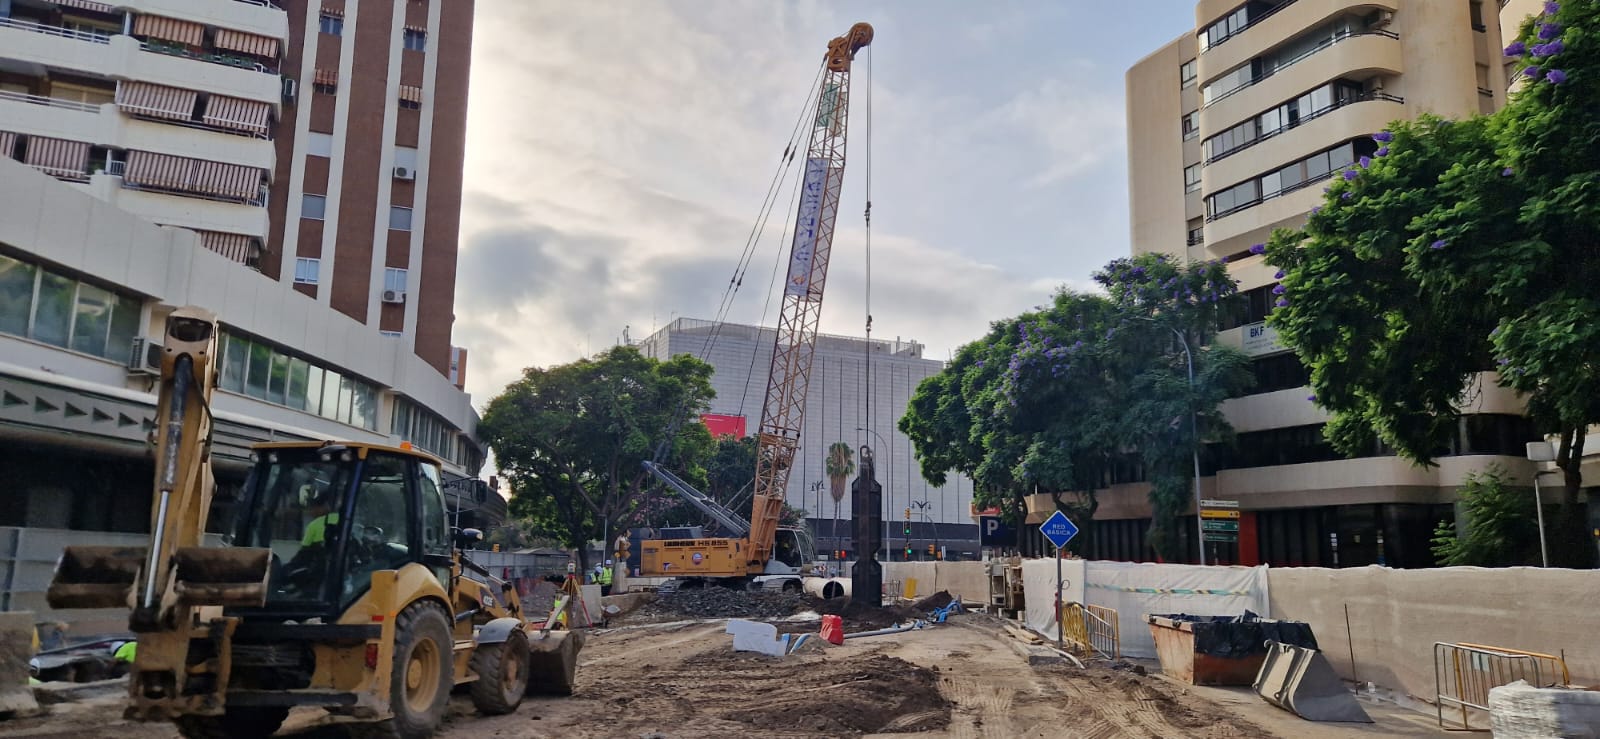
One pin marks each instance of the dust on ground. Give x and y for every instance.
(962, 679)
(767, 605)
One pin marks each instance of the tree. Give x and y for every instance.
(1460, 248)
(841, 465)
(1056, 399)
(571, 439)
(1501, 526)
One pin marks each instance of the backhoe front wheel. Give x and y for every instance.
(420, 680)
(502, 674)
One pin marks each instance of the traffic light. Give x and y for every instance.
(908, 514)
(496, 547)
(908, 553)
(930, 550)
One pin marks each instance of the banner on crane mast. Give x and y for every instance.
(805, 227)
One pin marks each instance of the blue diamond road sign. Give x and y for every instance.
(1058, 529)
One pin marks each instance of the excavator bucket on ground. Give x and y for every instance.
(1301, 681)
(95, 577)
(231, 576)
(553, 661)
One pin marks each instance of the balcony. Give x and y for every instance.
(1355, 57)
(38, 115)
(186, 210)
(1350, 120)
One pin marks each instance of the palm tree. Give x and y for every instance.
(841, 464)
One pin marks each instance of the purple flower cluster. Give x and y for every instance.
(1507, 172)
(1549, 33)
(1258, 249)
(1383, 137)
(1440, 244)
(1351, 174)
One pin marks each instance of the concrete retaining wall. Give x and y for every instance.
(1397, 615)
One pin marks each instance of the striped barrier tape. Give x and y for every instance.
(1167, 591)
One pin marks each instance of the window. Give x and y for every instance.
(1191, 128)
(394, 279)
(331, 24)
(399, 218)
(1221, 30)
(410, 104)
(1279, 372)
(1477, 16)
(1233, 79)
(264, 372)
(1318, 166)
(60, 311)
(313, 206)
(319, 144)
(379, 521)
(1283, 117)
(1186, 73)
(1191, 178)
(306, 270)
(416, 40)
(82, 93)
(1197, 231)
(405, 156)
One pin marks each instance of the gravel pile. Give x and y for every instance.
(716, 602)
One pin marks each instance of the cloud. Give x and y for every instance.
(618, 153)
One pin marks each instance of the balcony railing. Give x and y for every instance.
(260, 200)
(1337, 104)
(19, 97)
(226, 60)
(1294, 60)
(54, 31)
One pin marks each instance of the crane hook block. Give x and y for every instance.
(842, 50)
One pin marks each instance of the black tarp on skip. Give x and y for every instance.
(1242, 636)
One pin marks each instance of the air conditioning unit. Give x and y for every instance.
(145, 356)
(290, 88)
(1384, 18)
(394, 296)
(405, 173)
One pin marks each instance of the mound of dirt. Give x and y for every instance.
(862, 697)
(933, 602)
(862, 617)
(715, 602)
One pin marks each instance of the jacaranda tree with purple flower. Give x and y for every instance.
(1060, 400)
(1469, 253)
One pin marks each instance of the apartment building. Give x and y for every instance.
(1233, 129)
(836, 410)
(312, 152)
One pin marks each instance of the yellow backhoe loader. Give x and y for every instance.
(340, 585)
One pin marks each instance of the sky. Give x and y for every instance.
(619, 152)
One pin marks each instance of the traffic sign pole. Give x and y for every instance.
(1060, 628)
(1059, 530)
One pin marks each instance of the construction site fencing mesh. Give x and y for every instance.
(1465, 673)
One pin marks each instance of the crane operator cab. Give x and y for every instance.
(333, 515)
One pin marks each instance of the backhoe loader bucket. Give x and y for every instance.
(553, 661)
(95, 577)
(222, 576)
(1301, 681)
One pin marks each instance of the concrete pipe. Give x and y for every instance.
(828, 588)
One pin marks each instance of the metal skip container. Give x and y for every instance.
(1220, 650)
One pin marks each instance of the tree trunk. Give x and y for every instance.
(1567, 535)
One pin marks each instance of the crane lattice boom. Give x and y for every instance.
(783, 412)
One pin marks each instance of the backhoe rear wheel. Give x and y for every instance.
(502, 674)
(420, 681)
(240, 723)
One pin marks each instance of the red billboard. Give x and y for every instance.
(720, 425)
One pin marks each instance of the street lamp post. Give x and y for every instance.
(888, 500)
(1540, 451)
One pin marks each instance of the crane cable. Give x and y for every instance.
(725, 305)
(866, 394)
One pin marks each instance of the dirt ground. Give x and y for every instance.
(681, 680)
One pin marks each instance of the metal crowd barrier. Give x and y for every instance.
(1092, 630)
(1464, 673)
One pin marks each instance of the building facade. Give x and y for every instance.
(837, 409)
(293, 167)
(1233, 129)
